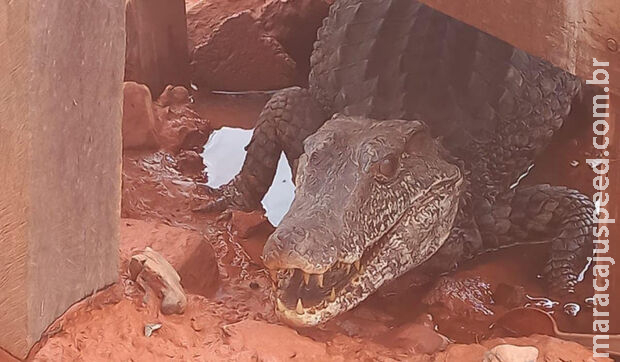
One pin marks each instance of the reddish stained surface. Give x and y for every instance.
(393, 323)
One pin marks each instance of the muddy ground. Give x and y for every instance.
(229, 314)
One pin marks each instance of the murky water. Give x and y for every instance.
(224, 155)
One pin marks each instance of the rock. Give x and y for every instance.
(244, 224)
(279, 31)
(510, 353)
(549, 348)
(417, 339)
(461, 307)
(138, 117)
(187, 251)
(461, 353)
(169, 124)
(151, 270)
(294, 23)
(239, 56)
(156, 43)
(174, 96)
(270, 342)
(204, 16)
(191, 164)
(466, 297)
(178, 126)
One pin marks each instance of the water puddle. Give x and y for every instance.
(224, 155)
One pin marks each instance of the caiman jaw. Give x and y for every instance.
(304, 299)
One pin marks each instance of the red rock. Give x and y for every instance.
(461, 307)
(186, 250)
(244, 224)
(294, 23)
(138, 117)
(550, 348)
(178, 126)
(417, 339)
(168, 124)
(468, 297)
(239, 56)
(461, 353)
(190, 163)
(281, 32)
(157, 52)
(270, 342)
(204, 16)
(510, 353)
(152, 271)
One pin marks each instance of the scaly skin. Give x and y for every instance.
(494, 107)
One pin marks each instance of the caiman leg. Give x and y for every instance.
(288, 118)
(544, 213)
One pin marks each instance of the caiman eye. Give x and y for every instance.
(386, 168)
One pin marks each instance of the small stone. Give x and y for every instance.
(150, 328)
(197, 325)
(151, 270)
(510, 353)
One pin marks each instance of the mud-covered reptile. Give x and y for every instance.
(379, 192)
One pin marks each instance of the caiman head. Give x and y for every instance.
(372, 201)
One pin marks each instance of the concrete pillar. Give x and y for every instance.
(157, 52)
(61, 71)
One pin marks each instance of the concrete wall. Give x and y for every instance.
(61, 71)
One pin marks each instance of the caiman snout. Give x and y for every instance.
(372, 200)
(294, 247)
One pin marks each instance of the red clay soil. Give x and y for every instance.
(230, 316)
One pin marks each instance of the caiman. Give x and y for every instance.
(409, 145)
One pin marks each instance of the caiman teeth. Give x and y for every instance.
(332, 296)
(348, 268)
(358, 265)
(306, 278)
(280, 304)
(319, 279)
(300, 307)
